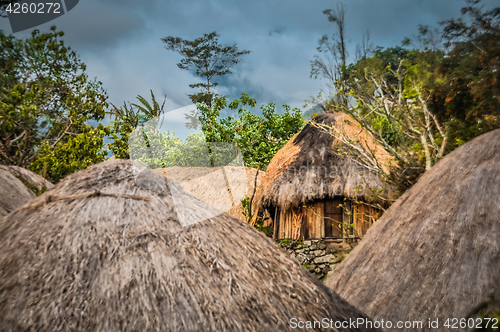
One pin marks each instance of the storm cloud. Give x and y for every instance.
(120, 41)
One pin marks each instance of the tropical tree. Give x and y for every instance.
(127, 118)
(424, 99)
(258, 137)
(68, 156)
(149, 111)
(208, 58)
(469, 99)
(46, 100)
(390, 96)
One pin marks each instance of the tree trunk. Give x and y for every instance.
(428, 162)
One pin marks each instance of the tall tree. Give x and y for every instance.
(46, 100)
(421, 103)
(258, 137)
(208, 58)
(469, 101)
(391, 97)
(331, 63)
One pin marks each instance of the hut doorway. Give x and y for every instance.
(333, 217)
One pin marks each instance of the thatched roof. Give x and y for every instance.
(101, 253)
(22, 173)
(13, 193)
(310, 167)
(210, 185)
(436, 252)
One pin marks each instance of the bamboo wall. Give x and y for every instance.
(312, 221)
(364, 216)
(314, 215)
(327, 218)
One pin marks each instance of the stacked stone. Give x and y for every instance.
(318, 256)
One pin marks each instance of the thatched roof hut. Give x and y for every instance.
(101, 253)
(309, 170)
(222, 188)
(33, 179)
(13, 193)
(436, 252)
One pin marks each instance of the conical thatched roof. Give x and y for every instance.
(222, 190)
(13, 193)
(310, 167)
(100, 253)
(34, 179)
(436, 252)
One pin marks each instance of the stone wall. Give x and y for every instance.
(317, 256)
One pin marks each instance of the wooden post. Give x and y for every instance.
(228, 187)
(253, 193)
(275, 222)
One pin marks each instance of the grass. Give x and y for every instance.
(285, 242)
(33, 188)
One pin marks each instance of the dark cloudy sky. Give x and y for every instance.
(119, 40)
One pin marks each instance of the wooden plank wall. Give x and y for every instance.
(358, 214)
(313, 221)
(286, 223)
(364, 217)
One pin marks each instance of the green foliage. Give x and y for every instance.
(165, 150)
(488, 311)
(149, 111)
(33, 188)
(260, 220)
(300, 244)
(46, 100)
(245, 203)
(391, 98)
(162, 149)
(284, 242)
(208, 58)
(202, 98)
(423, 100)
(73, 154)
(258, 137)
(469, 99)
(384, 127)
(127, 118)
(259, 224)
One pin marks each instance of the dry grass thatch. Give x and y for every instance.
(22, 173)
(310, 167)
(436, 252)
(213, 187)
(100, 253)
(13, 193)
